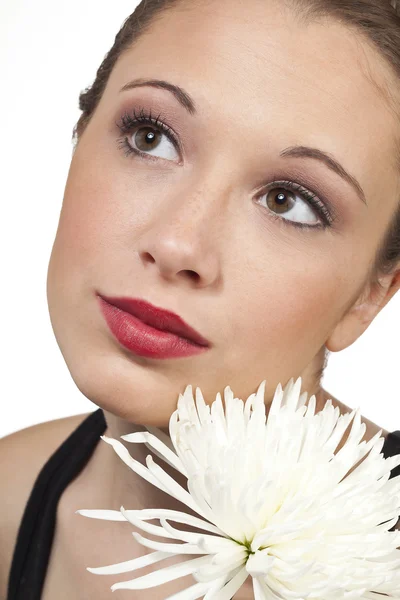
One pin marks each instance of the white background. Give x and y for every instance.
(50, 51)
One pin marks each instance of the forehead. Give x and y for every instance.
(318, 84)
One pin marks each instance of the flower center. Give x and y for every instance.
(259, 563)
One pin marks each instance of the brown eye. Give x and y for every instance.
(289, 204)
(148, 134)
(280, 200)
(146, 138)
(150, 141)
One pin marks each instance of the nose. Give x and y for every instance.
(184, 240)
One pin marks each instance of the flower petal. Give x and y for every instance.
(260, 590)
(171, 486)
(236, 553)
(106, 515)
(214, 541)
(175, 515)
(159, 447)
(227, 592)
(162, 575)
(135, 465)
(209, 572)
(191, 593)
(215, 586)
(262, 562)
(149, 527)
(130, 565)
(172, 548)
(166, 439)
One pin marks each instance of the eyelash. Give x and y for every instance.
(130, 121)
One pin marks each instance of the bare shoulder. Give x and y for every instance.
(22, 455)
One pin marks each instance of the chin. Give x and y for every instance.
(133, 392)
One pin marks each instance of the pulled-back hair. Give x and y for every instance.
(377, 20)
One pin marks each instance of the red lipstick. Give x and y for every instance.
(149, 331)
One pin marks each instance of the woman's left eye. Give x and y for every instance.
(281, 200)
(148, 137)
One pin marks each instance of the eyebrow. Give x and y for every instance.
(189, 105)
(180, 94)
(329, 161)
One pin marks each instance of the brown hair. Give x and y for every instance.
(378, 20)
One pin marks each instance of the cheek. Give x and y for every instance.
(83, 220)
(92, 216)
(291, 302)
(82, 239)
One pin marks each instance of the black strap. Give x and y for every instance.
(36, 531)
(391, 448)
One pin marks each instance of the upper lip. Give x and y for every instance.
(159, 318)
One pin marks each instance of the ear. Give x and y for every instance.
(361, 314)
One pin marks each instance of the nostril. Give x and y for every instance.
(193, 275)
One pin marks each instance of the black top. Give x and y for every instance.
(36, 531)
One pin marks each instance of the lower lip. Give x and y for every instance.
(144, 340)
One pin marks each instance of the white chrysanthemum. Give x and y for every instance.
(273, 501)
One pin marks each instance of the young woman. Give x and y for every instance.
(235, 183)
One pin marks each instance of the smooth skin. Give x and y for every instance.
(190, 230)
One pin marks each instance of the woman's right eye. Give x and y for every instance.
(148, 137)
(148, 140)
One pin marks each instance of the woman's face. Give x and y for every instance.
(203, 228)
